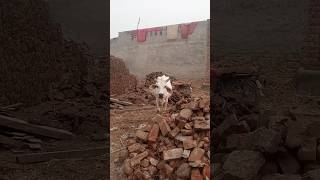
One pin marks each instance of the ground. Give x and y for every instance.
(124, 123)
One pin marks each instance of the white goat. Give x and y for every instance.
(162, 90)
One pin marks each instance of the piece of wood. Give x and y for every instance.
(125, 103)
(72, 154)
(24, 126)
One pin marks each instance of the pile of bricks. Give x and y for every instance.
(175, 146)
(121, 81)
(252, 142)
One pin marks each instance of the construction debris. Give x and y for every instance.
(164, 150)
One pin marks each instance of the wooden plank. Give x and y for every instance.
(125, 103)
(72, 154)
(24, 126)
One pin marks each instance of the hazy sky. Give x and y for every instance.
(124, 14)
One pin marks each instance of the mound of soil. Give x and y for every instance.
(121, 81)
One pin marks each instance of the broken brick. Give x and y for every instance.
(172, 154)
(183, 138)
(164, 127)
(134, 147)
(142, 135)
(189, 144)
(196, 154)
(196, 175)
(127, 168)
(186, 132)
(183, 170)
(136, 160)
(154, 161)
(168, 169)
(154, 133)
(145, 163)
(186, 113)
(174, 132)
(186, 153)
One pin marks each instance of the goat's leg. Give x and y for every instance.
(157, 103)
(166, 105)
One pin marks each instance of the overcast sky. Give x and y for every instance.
(124, 14)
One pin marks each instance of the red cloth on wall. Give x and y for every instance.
(142, 33)
(187, 29)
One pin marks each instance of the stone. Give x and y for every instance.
(153, 161)
(266, 140)
(154, 133)
(196, 175)
(174, 132)
(134, 147)
(189, 144)
(288, 163)
(186, 153)
(186, 113)
(164, 127)
(243, 164)
(308, 150)
(136, 160)
(172, 154)
(313, 174)
(142, 135)
(127, 167)
(196, 154)
(183, 170)
(202, 125)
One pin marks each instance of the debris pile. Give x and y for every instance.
(121, 81)
(35, 54)
(253, 143)
(172, 146)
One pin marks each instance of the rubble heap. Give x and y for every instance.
(34, 53)
(253, 143)
(175, 146)
(121, 81)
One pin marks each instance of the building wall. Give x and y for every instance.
(183, 58)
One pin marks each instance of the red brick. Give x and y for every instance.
(206, 171)
(154, 133)
(196, 154)
(174, 132)
(153, 161)
(164, 127)
(168, 169)
(142, 135)
(189, 144)
(134, 147)
(196, 175)
(172, 154)
(136, 160)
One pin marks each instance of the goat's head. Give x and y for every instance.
(162, 86)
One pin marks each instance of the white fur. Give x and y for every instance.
(162, 86)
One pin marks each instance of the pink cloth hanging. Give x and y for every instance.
(187, 29)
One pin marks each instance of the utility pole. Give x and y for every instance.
(138, 23)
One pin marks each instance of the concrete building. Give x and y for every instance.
(181, 57)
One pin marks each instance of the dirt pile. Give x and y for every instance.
(121, 81)
(172, 146)
(35, 56)
(255, 143)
